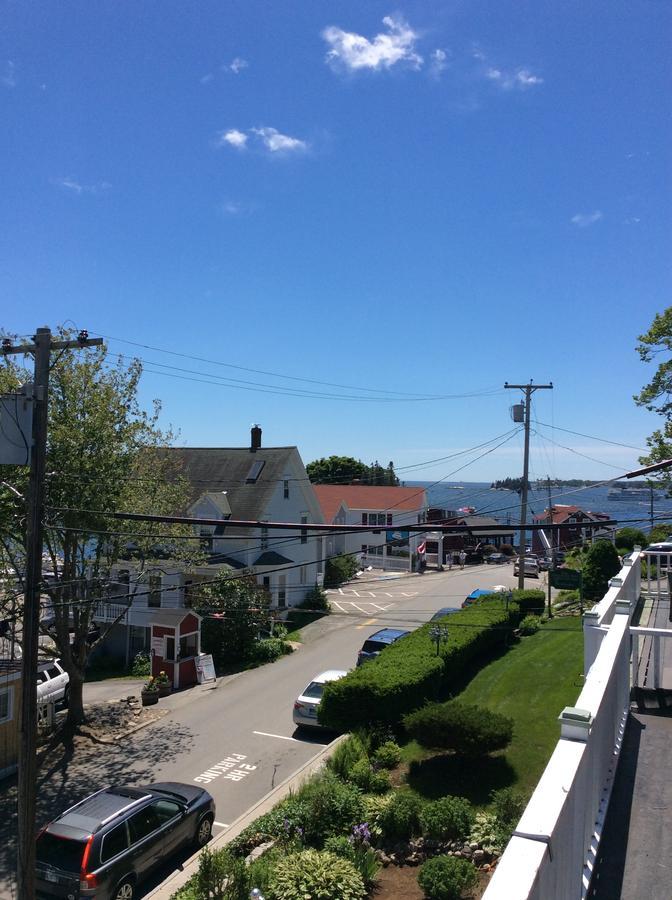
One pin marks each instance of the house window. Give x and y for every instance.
(365, 548)
(285, 489)
(266, 584)
(188, 595)
(389, 520)
(170, 649)
(154, 596)
(282, 590)
(255, 471)
(264, 538)
(188, 645)
(6, 704)
(304, 531)
(365, 519)
(375, 519)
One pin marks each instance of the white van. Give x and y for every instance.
(53, 682)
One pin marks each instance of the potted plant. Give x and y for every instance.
(150, 693)
(163, 683)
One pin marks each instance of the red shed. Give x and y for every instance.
(176, 645)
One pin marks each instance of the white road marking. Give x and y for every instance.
(232, 768)
(406, 593)
(281, 737)
(355, 593)
(220, 824)
(388, 594)
(334, 603)
(359, 608)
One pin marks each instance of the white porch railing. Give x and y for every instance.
(110, 612)
(553, 849)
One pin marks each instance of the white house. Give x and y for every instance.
(253, 484)
(389, 509)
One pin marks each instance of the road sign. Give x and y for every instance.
(565, 579)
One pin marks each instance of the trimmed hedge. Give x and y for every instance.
(409, 672)
(468, 730)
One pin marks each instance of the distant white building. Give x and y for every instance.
(387, 509)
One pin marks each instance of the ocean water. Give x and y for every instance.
(505, 505)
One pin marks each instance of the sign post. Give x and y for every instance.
(568, 580)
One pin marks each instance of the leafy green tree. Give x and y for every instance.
(628, 537)
(337, 470)
(235, 611)
(656, 396)
(103, 454)
(660, 532)
(601, 562)
(348, 470)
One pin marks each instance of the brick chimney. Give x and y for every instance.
(255, 439)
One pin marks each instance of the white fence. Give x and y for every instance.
(553, 849)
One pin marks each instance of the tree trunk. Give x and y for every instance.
(75, 701)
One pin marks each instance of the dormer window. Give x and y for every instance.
(255, 471)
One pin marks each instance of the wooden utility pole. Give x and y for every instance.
(27, 787)
(552, 548)
(529, 389)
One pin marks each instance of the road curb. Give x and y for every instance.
(179, 878)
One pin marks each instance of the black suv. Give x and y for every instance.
(378, 641)
(106, 844)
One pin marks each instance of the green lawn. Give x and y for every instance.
(531, 683)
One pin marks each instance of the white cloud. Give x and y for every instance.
(439, 61)
(519, 79)
(583, 220)
(8, 77)
(238, 65)
(76, 187)
(354, 51)
(276, 142)
(206, 79)
(233, 138)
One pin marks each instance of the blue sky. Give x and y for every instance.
(412, 199)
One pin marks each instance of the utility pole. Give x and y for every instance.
(651, 513)
(552, 548)
(27, 782)
(528, 389)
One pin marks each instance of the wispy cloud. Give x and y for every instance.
(276, 142)
(584, 220)
(352, 51)
(240, 208)
(76, 187)
(206, 79)
(518, 79)
(438, 62)
(237, 65)
(233, 138)
(8, 77)
(270, 139)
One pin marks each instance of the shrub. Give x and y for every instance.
(339, 569)
(260, 872)
(409, 672)
(601, 564)
(507, 805)
(316, 874)
(316, 599)
(507, 549)
(374, 805)
(530, 601)
(269, 649)
(388, 755)
(142, 665)
(468, 730)
(530, 625)
(341, 846)
(400, 818)
(628, 537)
(220, 875)
(447, 819)
(446, 877)
(369, 779)
(358, 850)
(332, 807)
(488, 833)
(271, 826)
(344, 757)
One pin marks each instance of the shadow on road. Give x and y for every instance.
(77, 767)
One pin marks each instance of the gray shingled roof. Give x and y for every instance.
(226, 468)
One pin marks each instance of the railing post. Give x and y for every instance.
(634, 676)
(656, 660)
(592, 638)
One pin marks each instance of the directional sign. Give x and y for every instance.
(565, 579)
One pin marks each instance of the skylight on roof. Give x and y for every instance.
(255, 471)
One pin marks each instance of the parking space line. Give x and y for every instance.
(335, 603)
(358, 607)
(355, 593)
(371, 594)
(220, 824)
(280, 737)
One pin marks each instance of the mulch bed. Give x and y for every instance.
(401, 883)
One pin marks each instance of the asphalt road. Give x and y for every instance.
(238, 739)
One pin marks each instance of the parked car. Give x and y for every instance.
(544, 563)
(308, 701)
(660, 546)
(443, 612)
(496, 559)
(530, 567)
(53, 682)
(474, 596)
(377, 642)
(105, 845)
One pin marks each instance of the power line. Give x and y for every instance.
(590, 436)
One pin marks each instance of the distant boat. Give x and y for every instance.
(467, 510)
(620, 491)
